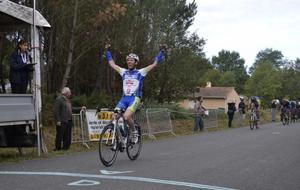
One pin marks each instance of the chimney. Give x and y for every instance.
(208, 84)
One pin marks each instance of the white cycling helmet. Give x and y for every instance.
(133, 56)
(276, 101)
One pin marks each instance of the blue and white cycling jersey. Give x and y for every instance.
(133, 81)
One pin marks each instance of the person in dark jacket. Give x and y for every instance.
(242, 108)
(63, 117)
(20, 68)
(230, 112)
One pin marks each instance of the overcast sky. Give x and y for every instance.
(249, 26)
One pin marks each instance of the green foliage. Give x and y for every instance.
(232, 66)
(228, 79)
(176, 111)
(97, 98)
(47, 109)
(140, 26)
(213, 76)
(274, 57)
(101, 99)
(130, 26)
(297, 65)
(91, 102)
(265, 82)
(290, 81)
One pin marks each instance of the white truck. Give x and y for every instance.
(17, 120)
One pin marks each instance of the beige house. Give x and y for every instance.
(213, 97)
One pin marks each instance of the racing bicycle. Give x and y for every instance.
(117, 136)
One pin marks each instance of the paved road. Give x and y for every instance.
(266, 159)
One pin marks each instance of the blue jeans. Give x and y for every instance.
(198, 124)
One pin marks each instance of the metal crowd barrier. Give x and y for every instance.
(158, 121)
(80, 130)
(152, 121)
(80, 127)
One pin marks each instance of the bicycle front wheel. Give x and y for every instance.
(134, 144)
(108, 145)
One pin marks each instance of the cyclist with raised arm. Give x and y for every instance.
(132, 82)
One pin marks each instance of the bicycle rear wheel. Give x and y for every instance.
(108, 145)
(134, 144)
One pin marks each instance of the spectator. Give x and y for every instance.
(273, 109)
(242, 107)
(199, 113)
(63, 117)
(20, 68)
(230, 112)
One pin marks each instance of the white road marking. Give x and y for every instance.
(84, 182)
(129, 178)
(106, 172)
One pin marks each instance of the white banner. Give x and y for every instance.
(96, 123)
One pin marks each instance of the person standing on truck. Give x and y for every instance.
(20, 68)
(63, 117)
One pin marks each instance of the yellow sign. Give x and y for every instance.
(104, 115)
(97, 122)
(94, 137)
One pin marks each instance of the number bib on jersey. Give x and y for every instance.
(130, 86)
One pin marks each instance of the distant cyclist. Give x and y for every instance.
(274, 105)
(254, 107)
(285, 109)
(132, 82)
(293, 111)
(298, 110)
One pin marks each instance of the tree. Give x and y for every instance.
(290, 80)
(228, 79)
(73, 47)
(264, 82)
(231, 61)
(213, 76)
(297, 64)
(83, 27)
(274, 57)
